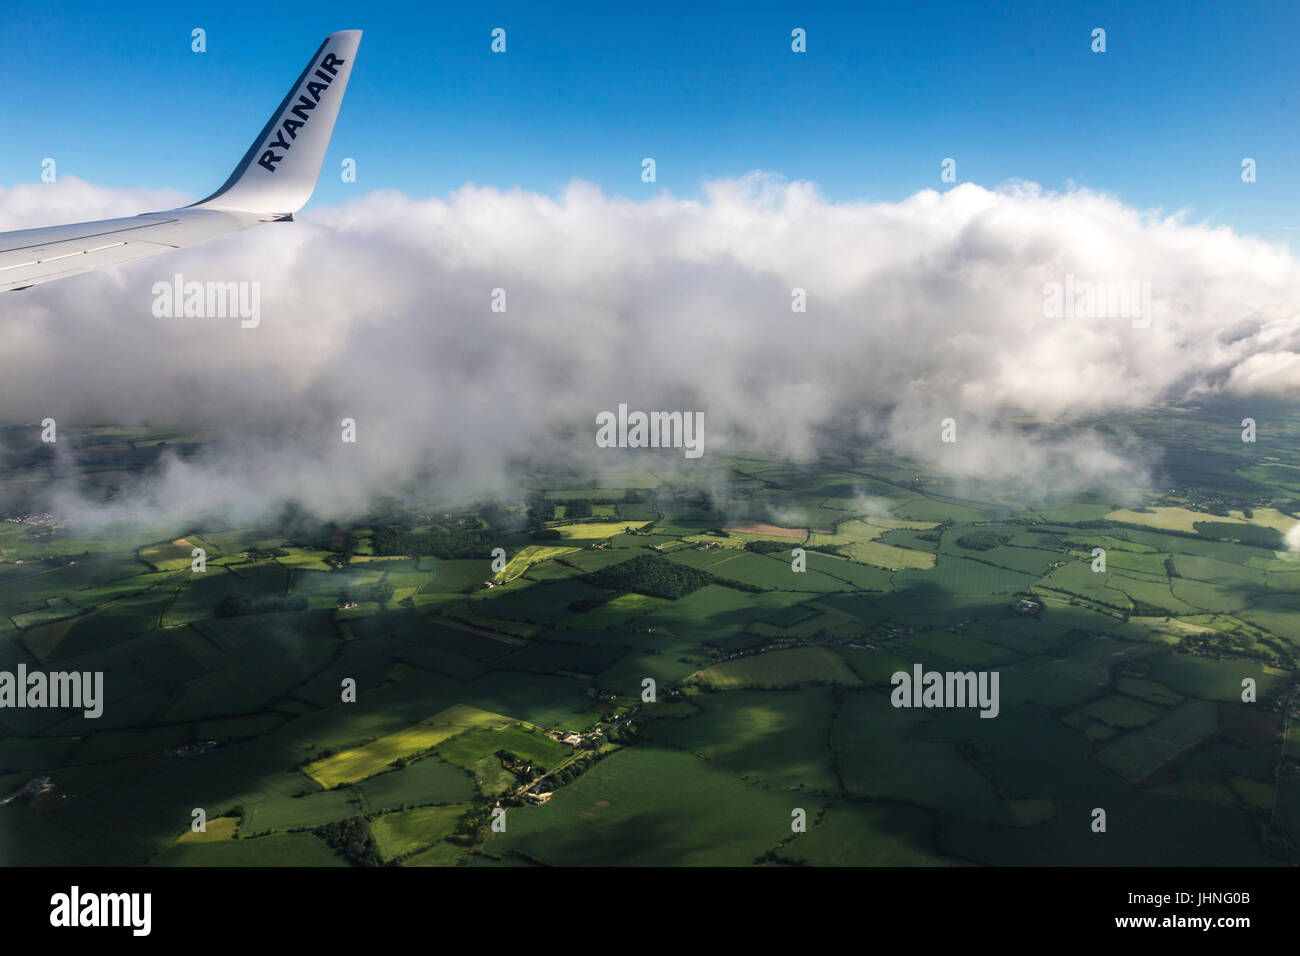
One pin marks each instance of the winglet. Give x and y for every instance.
(278, 174)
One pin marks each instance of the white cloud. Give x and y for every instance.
(379, 310)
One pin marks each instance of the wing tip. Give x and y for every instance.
(248, 189)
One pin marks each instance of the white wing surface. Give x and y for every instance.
(274, 180)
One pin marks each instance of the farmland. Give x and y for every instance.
(358, 763)
(780, 669)
(691, 665)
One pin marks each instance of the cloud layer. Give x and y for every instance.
(380, 310)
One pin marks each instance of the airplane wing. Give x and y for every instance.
(274, 180)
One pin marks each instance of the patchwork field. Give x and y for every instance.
(409, 831)
(358, 763)
(529, 556)
(859, 540)
(598, 530)
(1162, 687)
(780, 669)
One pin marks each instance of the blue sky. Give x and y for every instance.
(884, 93)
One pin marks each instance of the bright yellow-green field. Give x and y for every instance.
(1183, 519)
(860, 540)
(222, 828)
(349, 766)
(869, 529)
(169, 557)
(1179, 628)
(596, 530)
(1169, 519)
(1270, 518)
(526, 558)
(889, 557)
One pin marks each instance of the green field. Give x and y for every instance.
(223, 689)
(780, 669)
(358, 763)
(652, 807)
(468, 748)
(529, 556)
(409, 831)
(594, 531)
(292, 849)
(1139, 754)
